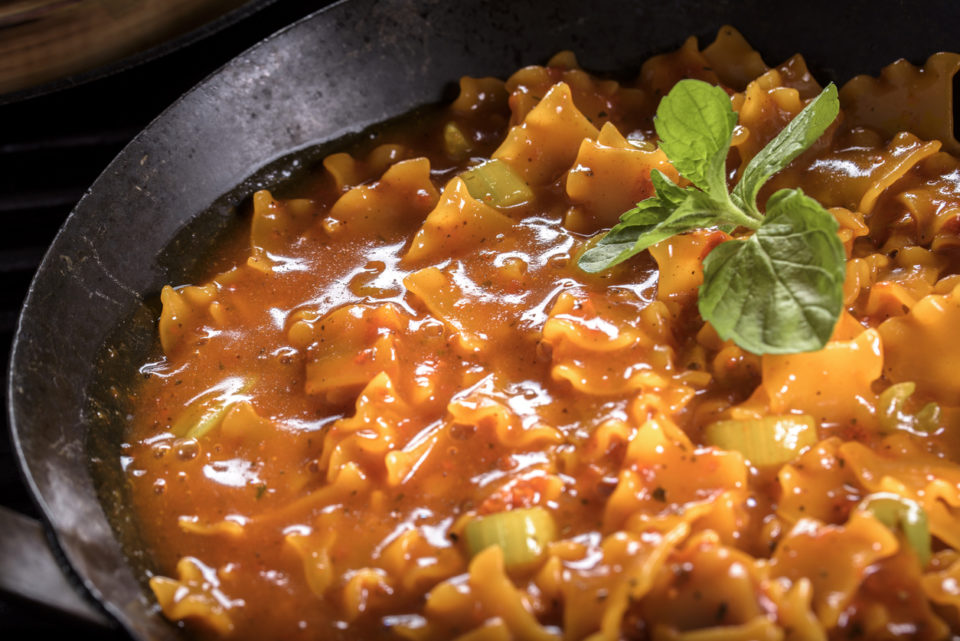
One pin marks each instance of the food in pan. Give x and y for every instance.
(435, 397)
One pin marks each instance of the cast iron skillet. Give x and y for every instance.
(164, 200)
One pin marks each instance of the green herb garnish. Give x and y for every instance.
(779, 291)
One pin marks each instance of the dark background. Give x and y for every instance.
(52, 147)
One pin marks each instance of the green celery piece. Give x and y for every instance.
(695, 123)
(455, 141)
(928, 418)
(792, 141)
(892, 415)
(781, 290)
(905, 515)
(890, 404)
(208, 410)
(497, 184)
(522, 535)
(767, 441)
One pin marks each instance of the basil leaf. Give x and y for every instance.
(792, 141)
(617, 245)
(666, 189)
(650, 222)
(781, 290)
(667, 197)
(695, 123)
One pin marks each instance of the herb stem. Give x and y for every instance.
(740, 217)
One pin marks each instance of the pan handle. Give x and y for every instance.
(29, 570)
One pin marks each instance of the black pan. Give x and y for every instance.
(158, 207)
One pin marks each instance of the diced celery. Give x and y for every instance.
(497, 184)
(891, 403)
(771, 440)
(892, 415)
(522, 534)
(905, 515)
(928, 418)
(207, 410)
(455, 141)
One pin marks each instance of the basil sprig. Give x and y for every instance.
(778, 291)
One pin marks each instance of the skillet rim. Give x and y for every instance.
(88, 589)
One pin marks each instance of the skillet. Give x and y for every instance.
(148, 220)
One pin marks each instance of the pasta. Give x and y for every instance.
(406, 360)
